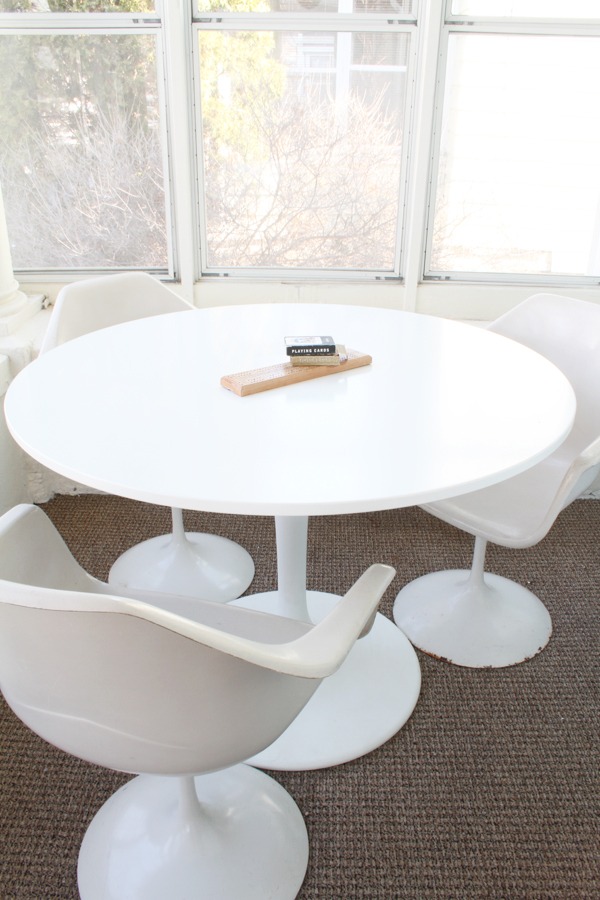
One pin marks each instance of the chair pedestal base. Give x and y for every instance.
(204, 566)
(479, 625)
(247, 839)
(355, 710)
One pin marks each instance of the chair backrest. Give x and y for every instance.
(95, 303)
(133, 687)
(567, 332)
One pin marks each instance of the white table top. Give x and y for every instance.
(138, 410)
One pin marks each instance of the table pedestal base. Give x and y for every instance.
(357, 709)
(205, 566)
(486, 622)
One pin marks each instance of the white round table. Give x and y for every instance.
(138, 410)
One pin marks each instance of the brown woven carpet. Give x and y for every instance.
(489, 791)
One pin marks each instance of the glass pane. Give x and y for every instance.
(522, 9)
(80, 151)
(77, 6)
(519, 177)
(395, 8)
(302, 144)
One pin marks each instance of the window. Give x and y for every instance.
(302, 128)
(516, 176)
(82, 138)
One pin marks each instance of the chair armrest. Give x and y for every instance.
(277, 643)
(321, 651)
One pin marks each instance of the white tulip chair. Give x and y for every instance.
(201, 565)
(475, 618)
(141, 688)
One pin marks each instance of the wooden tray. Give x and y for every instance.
(256, 380)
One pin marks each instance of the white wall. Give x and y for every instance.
(456, 300)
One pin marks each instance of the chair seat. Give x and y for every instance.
(514, 512)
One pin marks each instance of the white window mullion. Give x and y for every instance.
(177, 51)
(419, 167)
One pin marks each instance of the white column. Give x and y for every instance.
(16, 351)
(10, 295)
(15, 306)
